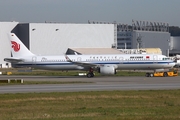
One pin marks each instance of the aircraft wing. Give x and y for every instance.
(83, 64)
(13, 60)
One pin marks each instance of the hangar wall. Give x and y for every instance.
(55, 38)
(174, 46)
(175, 42)
(151, 39)
(5, 46)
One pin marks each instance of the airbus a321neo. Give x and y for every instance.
(103, 63)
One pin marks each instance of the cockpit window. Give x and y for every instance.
(166, 58)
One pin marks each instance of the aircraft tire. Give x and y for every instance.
(89, 75)
(151, 75)
(147, 75)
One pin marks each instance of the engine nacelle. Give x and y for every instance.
(107, 70)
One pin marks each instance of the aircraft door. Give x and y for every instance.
(121, 60)
(34, 59)
(155, 58)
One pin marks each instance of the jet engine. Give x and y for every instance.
(107, 70)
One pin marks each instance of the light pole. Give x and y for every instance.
(139, 41)
(168, 47)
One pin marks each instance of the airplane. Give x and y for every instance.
(106, 64)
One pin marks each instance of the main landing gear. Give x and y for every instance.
(90, 73)
(149, 75)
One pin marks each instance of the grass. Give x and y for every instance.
(19, 71)
(43, 82)
(67, 73)
(104, 105)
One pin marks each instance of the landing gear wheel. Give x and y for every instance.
(147, 75)
(151, 75)
(89, 75)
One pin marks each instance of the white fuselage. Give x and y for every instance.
(118, 61)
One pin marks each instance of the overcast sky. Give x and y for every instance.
(80, 11)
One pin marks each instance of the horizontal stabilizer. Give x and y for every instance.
(13, 60)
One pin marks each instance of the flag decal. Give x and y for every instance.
(147, 57)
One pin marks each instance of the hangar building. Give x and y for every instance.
(91, 38)
(5, 27)
(143, 34)
(174, 45)
(56, 38)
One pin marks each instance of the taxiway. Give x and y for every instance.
(95, 84)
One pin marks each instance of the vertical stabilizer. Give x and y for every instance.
(18, 49)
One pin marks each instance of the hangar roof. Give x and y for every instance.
(93, 51)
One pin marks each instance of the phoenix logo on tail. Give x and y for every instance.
(15, 46)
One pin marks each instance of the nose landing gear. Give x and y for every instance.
(149, 75)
